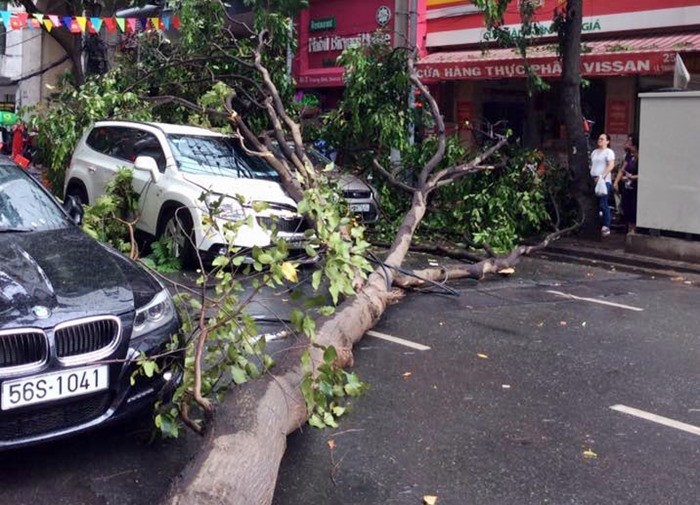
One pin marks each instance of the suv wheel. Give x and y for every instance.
(77, 191)
(178, 230)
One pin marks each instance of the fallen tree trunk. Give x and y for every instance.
(240, 459)
(243, 449)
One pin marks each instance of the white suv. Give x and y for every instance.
(173, 167)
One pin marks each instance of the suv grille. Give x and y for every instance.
(52, 417)
(356, 194)
(85, 337)
(289, 225)
(24, 347)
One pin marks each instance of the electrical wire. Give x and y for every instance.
(373, 259)
(22, 41)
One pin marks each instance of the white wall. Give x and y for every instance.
(669, 162)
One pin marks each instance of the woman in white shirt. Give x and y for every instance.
(602, 163)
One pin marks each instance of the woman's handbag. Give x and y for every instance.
(601, 189)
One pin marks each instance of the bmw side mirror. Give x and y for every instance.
(147, 164)
(73, 209)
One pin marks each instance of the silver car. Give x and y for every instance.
(359, 195)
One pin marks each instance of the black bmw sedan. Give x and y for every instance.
(74, 317)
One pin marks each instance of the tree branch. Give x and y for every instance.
(452, 173)
(439, 154)
(391, 178)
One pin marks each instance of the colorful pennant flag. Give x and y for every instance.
(96, 23)
(82, 24)
(111, 25)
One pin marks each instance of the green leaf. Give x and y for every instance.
(265, 258)
(238, 375)
(316, 279)
(316, 422)
(329, 420)
(149, 368)
(329, 354)
(339, 411)
(220, 261)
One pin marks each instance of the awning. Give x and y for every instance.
(600, 58)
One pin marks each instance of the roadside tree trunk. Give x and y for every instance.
(577, 148)
(71, 43)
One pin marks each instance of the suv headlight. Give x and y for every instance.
(156, 313)
(224, 207)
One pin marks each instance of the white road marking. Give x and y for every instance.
(397, 340)
(657, 419)
(595, 300)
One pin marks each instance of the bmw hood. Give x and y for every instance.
(252, 190)
(50, 276)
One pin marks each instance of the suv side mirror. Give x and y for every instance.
(147, 164)
(73, 209)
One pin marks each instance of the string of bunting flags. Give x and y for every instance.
(84, 24)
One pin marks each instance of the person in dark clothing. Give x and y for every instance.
(6, 137)
(628, 175)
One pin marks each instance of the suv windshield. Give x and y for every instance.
(202, 154)
(24, 206)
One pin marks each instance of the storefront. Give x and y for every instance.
(328, 27)
(628, 46)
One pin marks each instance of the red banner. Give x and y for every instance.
(592, 65)
(617, 116)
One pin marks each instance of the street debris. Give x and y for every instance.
(562, 323)
(589, 454)
(429, 500)
(505, 386)
(483, 356)
(506, 271)
(331, 444)
(406, 375)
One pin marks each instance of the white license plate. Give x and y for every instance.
(54, 386)
(359, 207)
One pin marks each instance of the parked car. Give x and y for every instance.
(181, 173)
(360, 196)
(74, 316)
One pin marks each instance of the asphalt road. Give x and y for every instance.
(510, 405)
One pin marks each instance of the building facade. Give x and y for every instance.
(629, 46)
(327, 27)
(11, 50)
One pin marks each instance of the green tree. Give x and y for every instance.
(568, 19)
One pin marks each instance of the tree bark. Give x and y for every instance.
(577, 148)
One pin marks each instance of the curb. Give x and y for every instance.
(619, 258)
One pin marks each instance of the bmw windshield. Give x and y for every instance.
(24, 205)
(210, 155)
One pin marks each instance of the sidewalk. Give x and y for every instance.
(611, 250)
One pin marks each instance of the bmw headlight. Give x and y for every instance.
(224, 207)
(156, 313)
